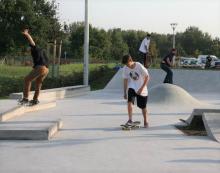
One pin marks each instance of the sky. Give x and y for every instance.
(146, 15)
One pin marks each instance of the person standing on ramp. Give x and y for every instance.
(166, 65)
(136, 78)
(39, 72)
(144, 51)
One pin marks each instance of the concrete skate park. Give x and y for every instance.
(78, 130)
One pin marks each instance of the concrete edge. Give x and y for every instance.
(207, 127)
(52, 131)
(57, 93)
(36, 134)
(20, 110)
(200, 112)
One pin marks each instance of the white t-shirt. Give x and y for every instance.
(145, 43)
(135, 77)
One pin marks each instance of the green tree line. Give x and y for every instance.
(42, 19)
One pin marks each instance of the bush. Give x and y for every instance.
(97, 80)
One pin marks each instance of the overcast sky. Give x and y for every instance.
(147, 15)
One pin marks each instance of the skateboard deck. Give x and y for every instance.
(134, 125)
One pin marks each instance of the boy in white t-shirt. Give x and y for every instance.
(136, 78)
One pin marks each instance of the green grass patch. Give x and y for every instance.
(12, 77)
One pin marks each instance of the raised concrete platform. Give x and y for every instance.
(199, 112)
(211, 120)
(29, 130)
(212, 125)
(17, 111)
(57, 93)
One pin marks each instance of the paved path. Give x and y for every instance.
(92, 141)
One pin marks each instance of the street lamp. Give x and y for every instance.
(86, 47)
(173, 25)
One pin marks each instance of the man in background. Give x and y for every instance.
(144, 51)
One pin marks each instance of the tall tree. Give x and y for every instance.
(37, 15)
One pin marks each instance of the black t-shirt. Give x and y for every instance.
(170, 57)
(39, 56)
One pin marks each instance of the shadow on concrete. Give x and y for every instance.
(199, 161)
(198, 148)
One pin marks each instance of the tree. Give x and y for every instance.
(37, 15)
(119, 47)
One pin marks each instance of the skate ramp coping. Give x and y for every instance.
(57, 93)
(211, 120)
(169, 95)
(29, 130)
(21, 110)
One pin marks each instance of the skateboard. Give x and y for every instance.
(134, 125)
(184, 121)
(29, 104)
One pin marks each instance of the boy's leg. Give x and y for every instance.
(142, 104)
(145, 115)
(130, 110)
(42, 71)
(27, 82)
(131, 98)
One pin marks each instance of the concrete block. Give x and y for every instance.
(29, 130)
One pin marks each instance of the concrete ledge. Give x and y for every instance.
(199, 112)
(20, 110)
(57, 93)
(27, 130)
(212, 125)
(211, 120)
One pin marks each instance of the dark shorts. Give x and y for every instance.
(141, 100)
(142, 56)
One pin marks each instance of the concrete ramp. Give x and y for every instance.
(171, 95)
(196, 81)
(211, 120)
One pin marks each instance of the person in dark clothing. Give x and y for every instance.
(166, 65)
(208, 61)
(39, 72)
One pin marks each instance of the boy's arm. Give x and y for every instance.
(125, 88)
(28, 36)
(146, 79)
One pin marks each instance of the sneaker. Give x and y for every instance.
(33, 102)
(129, 122)
(23, 101)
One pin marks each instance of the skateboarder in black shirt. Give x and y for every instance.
(166, 65)
(39, 72)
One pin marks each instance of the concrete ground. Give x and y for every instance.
(91, 140)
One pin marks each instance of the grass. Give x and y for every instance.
(65, 70)
(11, 77)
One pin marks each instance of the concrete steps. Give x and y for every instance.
(29, 130)
(20, 110)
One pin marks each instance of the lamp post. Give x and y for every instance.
(86, 47)
(173, 25)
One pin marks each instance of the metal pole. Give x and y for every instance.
(59, 53)
(173, 25)
(173, 38)
(86, 47)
